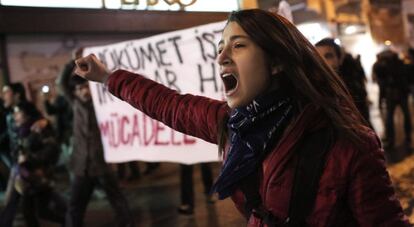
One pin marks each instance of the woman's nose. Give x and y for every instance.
(224, 58)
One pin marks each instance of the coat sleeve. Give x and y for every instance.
(193, 115)
(372, 197)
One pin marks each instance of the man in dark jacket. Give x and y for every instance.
(87, 160)
(390, 70)
(351, 72)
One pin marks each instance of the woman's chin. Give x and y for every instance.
(234, 103)
(231, 103)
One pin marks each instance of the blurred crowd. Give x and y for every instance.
(394, 74)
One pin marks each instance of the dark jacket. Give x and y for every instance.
(88, 155)
(354, 189)
(391, 76)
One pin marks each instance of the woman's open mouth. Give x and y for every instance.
(230, 83)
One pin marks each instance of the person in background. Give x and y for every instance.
(380, 80)
(351, 72)
(37, 157)
(87, 160)
(13, 94)
(31, 178)
(187, 187)
(296, 150)
(58, 107)
(389, 69)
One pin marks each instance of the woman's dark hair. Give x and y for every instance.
(305, 72)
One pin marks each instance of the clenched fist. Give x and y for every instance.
(91, 68)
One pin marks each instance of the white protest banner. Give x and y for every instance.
(182, 60)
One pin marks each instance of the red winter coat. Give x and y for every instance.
(354, 189)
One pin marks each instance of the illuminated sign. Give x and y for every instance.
(181, 3)
(187, 5)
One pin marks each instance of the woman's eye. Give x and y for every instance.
(219, 51)
(238, 45)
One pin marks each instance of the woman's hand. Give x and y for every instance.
(91, 68)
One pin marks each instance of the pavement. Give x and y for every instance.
(154, 199)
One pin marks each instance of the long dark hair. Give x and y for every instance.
(311, 80)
